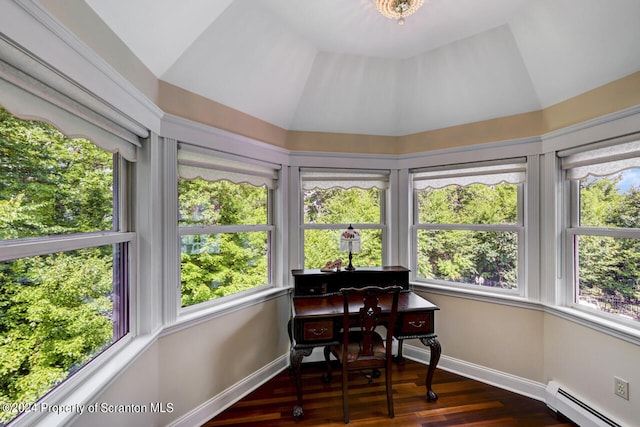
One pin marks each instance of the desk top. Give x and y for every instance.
(359, 270)
(333, 305)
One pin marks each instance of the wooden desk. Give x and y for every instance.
(317, 312)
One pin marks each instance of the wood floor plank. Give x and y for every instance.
(462, 402)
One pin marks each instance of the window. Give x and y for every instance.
(335, 199)
(63, 257)
(468, 224)
(225, 224)
(603, 234)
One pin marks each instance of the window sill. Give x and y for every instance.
(628, 333)
(193, 316)
(71, 398)
(618, 330)
(478, 294)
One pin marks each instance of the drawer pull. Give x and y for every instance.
(418, 324)
(318, 332)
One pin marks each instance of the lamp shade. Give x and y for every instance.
(350, 240)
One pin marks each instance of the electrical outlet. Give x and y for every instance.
(621, 388)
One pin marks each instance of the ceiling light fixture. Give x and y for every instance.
(398, 9)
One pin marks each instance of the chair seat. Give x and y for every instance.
(354, 349)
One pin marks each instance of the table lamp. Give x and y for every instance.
(350, 241)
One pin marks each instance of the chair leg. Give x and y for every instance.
(345, 392)
(326, 377)
(389, 385)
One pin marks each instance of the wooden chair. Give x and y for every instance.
(363, 348)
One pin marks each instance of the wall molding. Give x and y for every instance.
(522, 386)
(218, 403)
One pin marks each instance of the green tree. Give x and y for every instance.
(468, 256)
(56, 310)
(608, 266)
(226, 263)
(341, 206)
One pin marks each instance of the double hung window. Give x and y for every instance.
(64, 248)
(225, 224)
(333, 199)
(603, 232)
(468, 227)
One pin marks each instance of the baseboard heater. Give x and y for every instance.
(564, 402)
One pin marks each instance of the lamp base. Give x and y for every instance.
(350, 267)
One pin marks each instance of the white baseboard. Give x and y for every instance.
(212, 407)
(209, 409)
(483, 374)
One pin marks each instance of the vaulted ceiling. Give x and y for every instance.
(340, 66)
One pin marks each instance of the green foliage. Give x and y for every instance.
(341, 206)
(217, 265)
(465, 256)
(608, 267)
(55, 310)
(51, 184)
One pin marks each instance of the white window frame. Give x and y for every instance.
(515, 169)
(46, 245)
(347, 178)
(577, 161)
(195, 162)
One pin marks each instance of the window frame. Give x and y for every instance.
(343, 176)
(572, 229)
(519, 228)
(123, 242)
(214, 161)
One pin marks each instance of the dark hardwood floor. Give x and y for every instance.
(462, 402)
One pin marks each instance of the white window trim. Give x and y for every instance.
(562, 301)
(382, 179)
(525, 201)
(202, 163)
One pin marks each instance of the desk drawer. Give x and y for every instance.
(415, 323)
(320, 330)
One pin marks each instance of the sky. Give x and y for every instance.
(630, 177)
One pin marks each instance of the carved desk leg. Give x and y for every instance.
(296, 357)
(433, 343)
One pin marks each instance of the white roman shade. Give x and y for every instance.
(41, 94)
(601, 159)
(196, 162)
(319, 178)
(511, 171)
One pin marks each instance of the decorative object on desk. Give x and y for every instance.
(350, 241)
(332, 266)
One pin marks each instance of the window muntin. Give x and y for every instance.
(63, 258)
(469, 225)
(334, 199)
(225, 225)
(604, 229)
(217, 265)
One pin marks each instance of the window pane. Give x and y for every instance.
(472, 204)
(216, 265)
(321, 246)
(57, 314)
(472, 257)
(221, 203)
(51, 184)
(608, 274)
(611, 201)
(342, 206)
